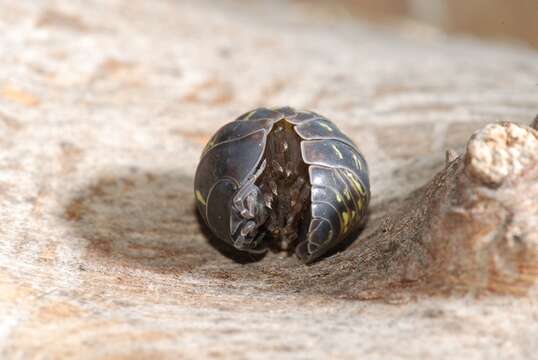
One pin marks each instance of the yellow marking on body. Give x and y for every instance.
(208, 146)
(356, 184)
(347, 194)
(250, 115)
(200, 197)
(325, 126)
(345, 217)
(337, 151)
(353, 213)
(359, 203)
(338, 198)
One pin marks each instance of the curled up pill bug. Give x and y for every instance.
(282, 178)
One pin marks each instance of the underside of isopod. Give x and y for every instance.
(282, 179)
(285, 186)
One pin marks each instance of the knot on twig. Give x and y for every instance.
(499, 152)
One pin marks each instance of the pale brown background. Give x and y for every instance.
(509, 21)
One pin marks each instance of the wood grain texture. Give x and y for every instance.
(104, 109)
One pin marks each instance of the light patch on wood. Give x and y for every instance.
(14, 290)
(59, 311)
(61, 20)
(198, 137)
(19, 96)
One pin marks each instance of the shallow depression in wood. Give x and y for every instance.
(148, 221)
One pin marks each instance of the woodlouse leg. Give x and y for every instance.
(249, 213)
(299, 192)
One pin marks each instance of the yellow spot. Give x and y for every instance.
(249, 115)
(353, 213)
(345, 217)
(208, 146)
(356, 184)
(337, 151)
(200, 197)
(359, 203)
(338, 198)
(325, 126)
(347, 194)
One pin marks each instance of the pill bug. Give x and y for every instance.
(284, 178)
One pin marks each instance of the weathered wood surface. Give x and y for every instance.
(104, 109)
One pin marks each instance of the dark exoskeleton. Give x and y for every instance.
(285, 177)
